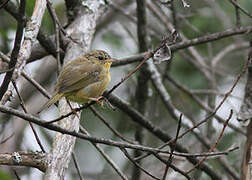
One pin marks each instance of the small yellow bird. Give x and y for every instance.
(83, 79)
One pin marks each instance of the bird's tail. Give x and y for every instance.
(53, 100)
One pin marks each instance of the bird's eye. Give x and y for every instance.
(100, 57)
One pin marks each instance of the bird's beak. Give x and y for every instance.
(111, 60)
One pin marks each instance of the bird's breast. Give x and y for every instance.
(93, 90)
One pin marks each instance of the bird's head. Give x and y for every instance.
(99, 56)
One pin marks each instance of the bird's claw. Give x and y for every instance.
(98, 100)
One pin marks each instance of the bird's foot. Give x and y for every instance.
(98, 100)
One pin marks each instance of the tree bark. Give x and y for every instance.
(82, 31)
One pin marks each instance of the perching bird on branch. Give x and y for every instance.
(83, 79)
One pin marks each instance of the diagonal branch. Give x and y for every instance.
(16, 49)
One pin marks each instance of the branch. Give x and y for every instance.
(211, 37)
(38, 51)
(202, 104)
(141, 93)
(106, 123)
(226, 50)
(88, 13)
(57, 128)
(245, 114)
(30, 36)
(215, 144)
(239, 7)
(187, 43)
(172, 148)
(137, 165)
(31, 159)
(16, 49)
(25, 110)
(159, 133)
(137, 116)
(77, 166)
(105, 156)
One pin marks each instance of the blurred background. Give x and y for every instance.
(116, 33)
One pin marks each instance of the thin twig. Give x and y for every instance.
(57, 22)
(28, 78)
(137, 164)
(105, 156)
(16, 174)
(226, 50)
(208, 109)
(57, 128)
(36, 85)
(6, 139)
(241, 8)
(173, 147)
(213, 112)
(31, 125)
(155, 130)
(97, 114)
(172, 166)
(198, 101)
(58, 27)
(202, 154)
(211, 37)
(133, 19)
(4, 3)
(197, 57)
(168, 40)
(77, 166)
(215, 144)
(237, 15)
(187, 43)
(45, 41)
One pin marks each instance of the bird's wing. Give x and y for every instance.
(76, 75)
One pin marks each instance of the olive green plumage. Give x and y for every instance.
(83, 79)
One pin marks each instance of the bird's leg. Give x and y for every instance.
(97, 100)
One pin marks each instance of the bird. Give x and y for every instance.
(83, 79)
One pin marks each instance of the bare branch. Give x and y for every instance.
(239, 7)
(31, 159)
(215, 144)
(105, 156)
(30, 36)
(16, 49)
